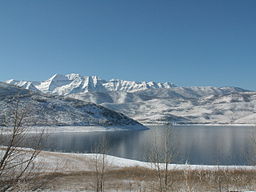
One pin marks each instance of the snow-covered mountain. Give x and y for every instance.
(57, 110)
(75, 83)
(150, 102)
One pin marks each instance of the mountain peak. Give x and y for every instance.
(75, 83)
(72, 76)
(57, 77)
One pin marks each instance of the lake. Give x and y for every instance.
(226, 145)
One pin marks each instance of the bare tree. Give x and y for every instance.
(161, 155)
(187, 172)
(222, 176)
(100, 165)
(16, 164)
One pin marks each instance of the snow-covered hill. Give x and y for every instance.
(150, 102)
(57, 110)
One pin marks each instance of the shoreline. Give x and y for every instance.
(77, 129)
(50, 158)
(76, 162)
(96, 128)
(202, 124)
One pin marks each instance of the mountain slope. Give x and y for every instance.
(57, 110)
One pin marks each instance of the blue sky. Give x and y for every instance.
(199, 42)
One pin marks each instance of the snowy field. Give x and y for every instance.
(76, 172)
(73, 165)
(73, 162)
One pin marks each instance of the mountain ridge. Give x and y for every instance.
(153, 103)
(73, 83)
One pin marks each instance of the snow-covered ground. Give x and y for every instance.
(71, 171)
(49, 161)
(73, 162)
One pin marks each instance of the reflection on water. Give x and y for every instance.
(193, 144)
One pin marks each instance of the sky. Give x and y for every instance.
(188, 43)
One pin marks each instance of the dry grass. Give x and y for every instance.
(142, 179)
(79, 176)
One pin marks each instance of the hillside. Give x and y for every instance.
(48, 110)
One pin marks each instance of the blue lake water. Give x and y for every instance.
(227, 145)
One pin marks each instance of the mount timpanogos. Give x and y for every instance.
(154, 103)
(75, 83)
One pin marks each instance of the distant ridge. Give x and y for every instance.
(75, 83)
(155, 103)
